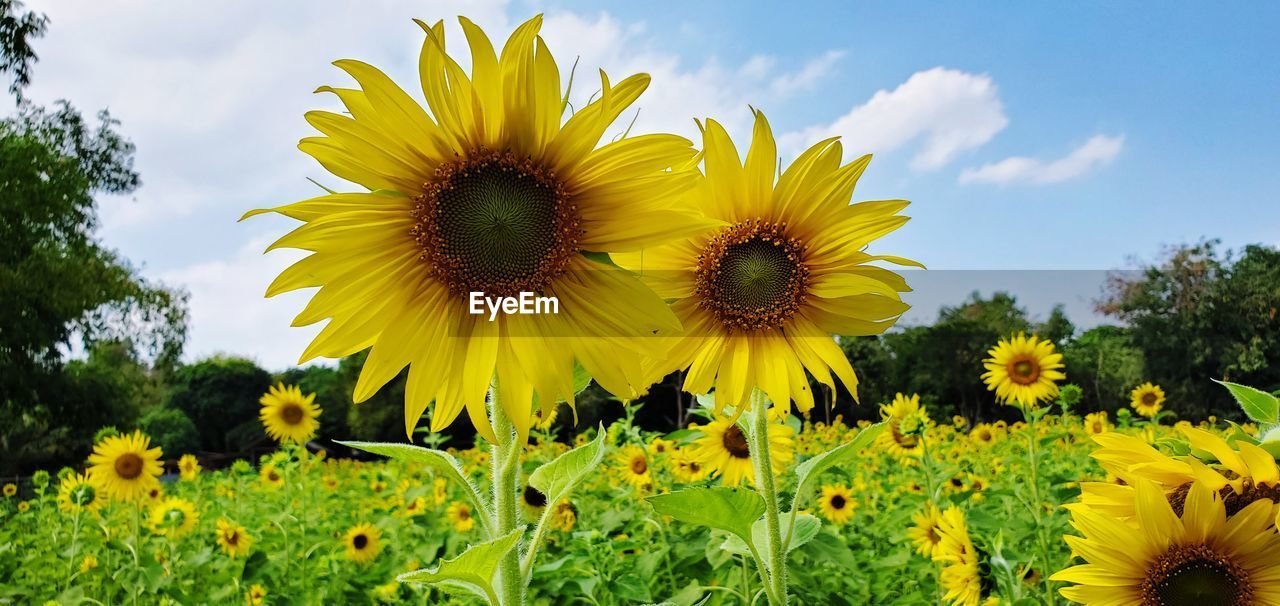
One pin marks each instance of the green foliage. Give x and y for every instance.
(1105, 364)
(728, 509)
(473, 571)
(17, 29)
(171, 430)
(220, 395)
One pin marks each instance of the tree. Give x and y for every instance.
(220, 395)
(1106, 365)
(17, 29)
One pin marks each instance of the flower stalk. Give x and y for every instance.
(774, 573)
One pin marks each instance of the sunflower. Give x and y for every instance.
(1147, 399)
(543, 419)
(173, 517)
(88, 563)
(256, 595)
(413, 507)
(188, 467)
(1198, 557)
(905, 423)
(983, 434)
(439, 490)
(724, 452)
(961, 570)
(1096, 423)
(234, 540)
(564, 516)
(125, 466)
(658, 446)
(79, 493)
(493, 192)
(836, 503)
(10, 489)
(533, 501)
(686, 467)
(271, 476)
(1023, 370)
(287, 415)
(633, 466)
(363, 542)
(459, 514)
(760, 294)
(925, 532)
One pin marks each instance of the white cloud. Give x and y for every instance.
(948, 111)
(1098, 151)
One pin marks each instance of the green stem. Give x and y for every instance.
(1033, 454)
(75, 541)
(775, 577)
(506, 479)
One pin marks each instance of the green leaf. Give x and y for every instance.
(558, 477)
(631, 588)
(1259, 405)
(727, 509)
(814, 466)
(439, 461)
(471, 572)
(807, 527)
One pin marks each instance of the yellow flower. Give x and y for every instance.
(459, 514)
(173, 517)
(493, 192)
(564, 516)
(188, 467)
(1096, 423)
(983, 434)
(363, 542)
(1023, 370)
(658, 446)
(10, 489)
(633, 466)
(905, 423)
(24, 506)
(1147, 399)
(271, 476)
(1199, 557)
(925, 532)
(255, 596)
(289, 416)
(88, 563)
(79, 493)
(234, 540)
(125, 466)
(961, 572)
(686, 467)
(836, 503)
(761, 293)
(439, 490)
(724, 452)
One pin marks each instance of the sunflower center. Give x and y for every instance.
(1149, 398)
(496, 224)
(1024, 371)
(233, 538)
(360, 541)
(534, 497)
(128, 465)
(736, 443)
(752, 276)
(838, 502)
(464, 514)
(639, 466)
(1195, 575)
(291, 413)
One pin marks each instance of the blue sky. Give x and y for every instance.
(1028, 136)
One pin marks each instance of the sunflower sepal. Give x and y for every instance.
(471, 572)
(438, 460)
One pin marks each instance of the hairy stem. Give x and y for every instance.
(506, 479)
(775, 578)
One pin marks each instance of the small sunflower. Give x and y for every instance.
(459, 514)
(724, 452)
(271, 476)
(836, 503)
(79, 493)
(89, 562)
(1023, 370)
(533, 502)
(1161, 558)
(659, 447)
(1096, 423)
(288, 415)
(633, 466)
(905, 423)
(363, 542)
(686, 467)
(256, 595)
(439, 490)
(1147, 399)
(925, 533)
(234, 540)
(961, 576)
(983, 434)
(10, 489)
(188, 467)
(125, 466)
(173, 517)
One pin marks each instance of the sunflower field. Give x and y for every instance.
(496, 252)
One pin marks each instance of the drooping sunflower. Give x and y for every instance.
(234, 540)
(459, 514)
(1147, 399)
(79, 493)
(173, 517)
(288, 415)
(925, 533)
(489, 190)
(1096, 423)
(761, 293)
(188, 467)
(632, 465)
(724, 452)
(1199, 557)
(961, 576)
(1023, 370)
(363, 542)
(905, 422)
(836, 503)
(125, 466)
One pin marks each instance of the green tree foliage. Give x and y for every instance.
(17, 29)
(1202, 314)
(220, 395)
(1104, 362)
(171, 430)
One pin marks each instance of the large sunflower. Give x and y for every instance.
(1023, 370)
(961, 576)
(1147, 399)
(761, 294)
(836, 503)
(723, 450)
(491, 191)
(125, 466)
(288, 415)
(1199, 557)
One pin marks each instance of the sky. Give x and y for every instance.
(1040, 144)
